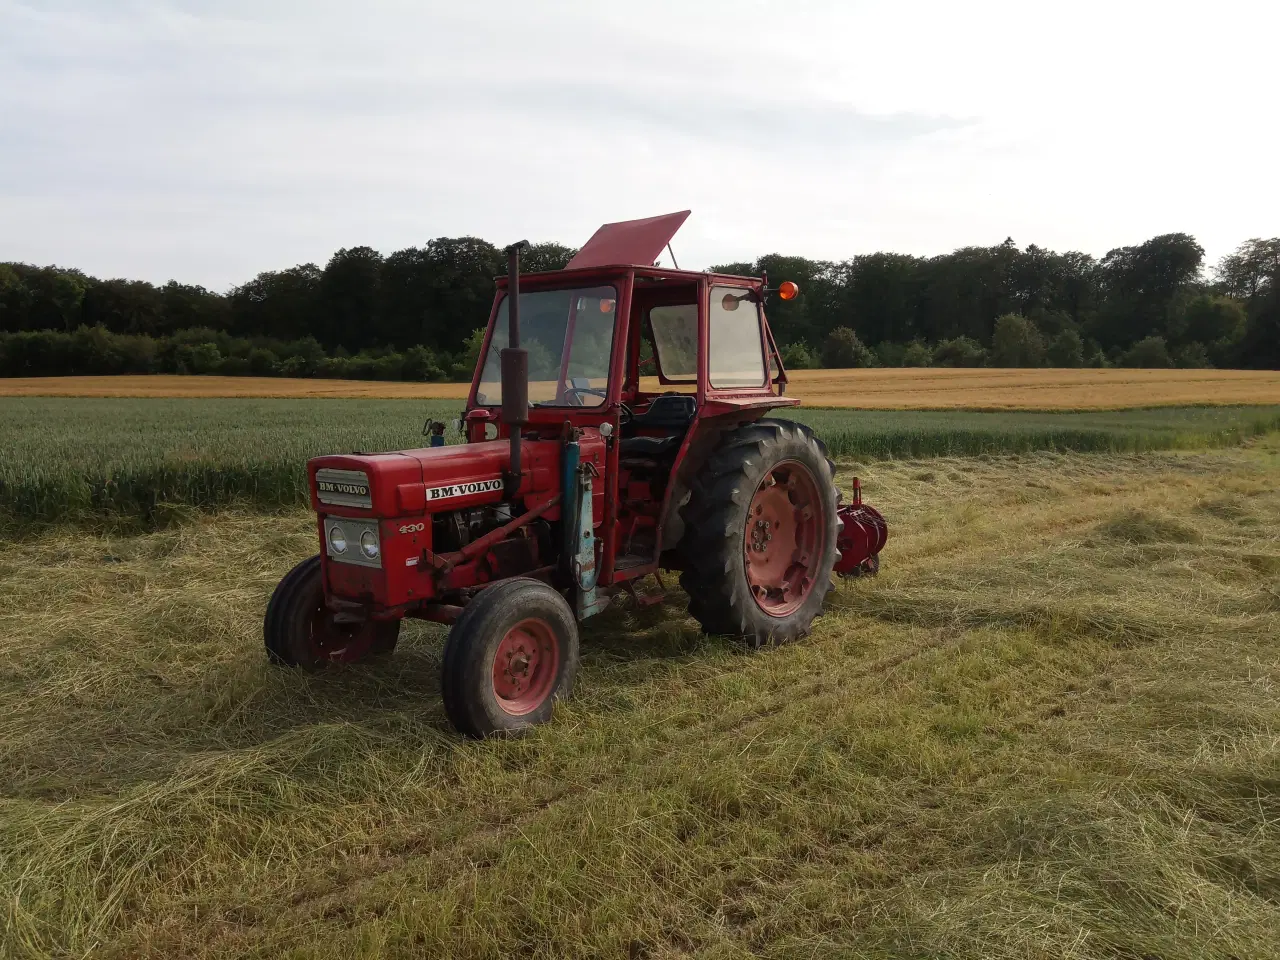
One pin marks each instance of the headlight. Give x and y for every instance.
(338, 539)
(369, 544)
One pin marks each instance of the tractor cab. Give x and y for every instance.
(637, 352)
(617, 424)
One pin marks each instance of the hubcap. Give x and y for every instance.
(525, 666)
(784, 538)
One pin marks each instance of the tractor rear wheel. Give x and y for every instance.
(300, 632)
(511, 654)
(760, 533)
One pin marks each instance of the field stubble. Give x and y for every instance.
(1048, 729)
(892, 388)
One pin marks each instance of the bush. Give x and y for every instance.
(1016, 343)
(1065, 350)
(843, 349)
(959, 352)
(1192, 356)
(421, 364)
(890, 354)
(262, 363)
(798, 356)
(1151, 352)
(917, 354)
(1094, 355)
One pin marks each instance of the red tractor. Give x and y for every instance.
(617, 424)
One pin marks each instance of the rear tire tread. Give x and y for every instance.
(715, 515)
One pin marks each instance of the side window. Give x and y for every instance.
(675, 338)
(737, 354)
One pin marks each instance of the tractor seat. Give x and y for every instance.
(655, 448)
(671, 413)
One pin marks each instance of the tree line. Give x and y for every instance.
(415, 313)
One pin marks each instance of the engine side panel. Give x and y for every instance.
(404, 491)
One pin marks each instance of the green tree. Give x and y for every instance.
(124, 306)
(1016, 343)
(1065, 350)
(917, 354)
(1244, 273)
(185, 305)
(263, 362)
(1151, 352)
(457, 299)
(842, 349)
(15, 299)
(349, 296)
(541, 257)
(1209, 318)
(1191, 356)
(959, 352)
(1145, 287)
(882, 294)
(470, 356)
(67, 293)
(282, 304)
(798, 356)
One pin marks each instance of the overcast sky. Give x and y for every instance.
(208, 141)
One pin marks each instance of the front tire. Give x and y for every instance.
(511, 654)
(761, 528)
(299, 631)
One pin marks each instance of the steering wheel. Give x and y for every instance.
(574, 391)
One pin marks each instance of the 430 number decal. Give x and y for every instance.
(413, 528)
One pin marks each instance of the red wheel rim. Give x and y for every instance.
(784, 538)
(340, 642)
(525, 666)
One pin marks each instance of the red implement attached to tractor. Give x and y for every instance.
(617, 424)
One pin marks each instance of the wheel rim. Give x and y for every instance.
(339, 642)
(525, 666)
(784, 538)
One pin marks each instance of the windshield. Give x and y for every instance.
(569, 336)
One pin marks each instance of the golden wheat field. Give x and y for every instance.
(885, 389)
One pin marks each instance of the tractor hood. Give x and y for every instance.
(432, 479)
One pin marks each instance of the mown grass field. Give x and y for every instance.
(1050, 728)
(152, 460)
(883, 389)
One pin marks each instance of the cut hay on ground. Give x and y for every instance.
(887, 389)
(1047, 730)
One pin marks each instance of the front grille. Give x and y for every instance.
(343, 488)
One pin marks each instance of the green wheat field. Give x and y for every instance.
(149, 459)
(1049, 729)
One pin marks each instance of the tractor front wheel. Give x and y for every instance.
(300, 632)
(511, 654)
(760, 533)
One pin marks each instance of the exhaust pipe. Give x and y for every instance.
(515, 370)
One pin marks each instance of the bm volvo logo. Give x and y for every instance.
(347, 488)
(350, 489)
(463, 489)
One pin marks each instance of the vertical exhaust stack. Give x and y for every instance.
(515, 369)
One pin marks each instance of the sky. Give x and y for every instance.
(209, 141)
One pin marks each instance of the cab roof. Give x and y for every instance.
(630, 242)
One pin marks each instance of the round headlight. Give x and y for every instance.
(369, 544)
(337, 539)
